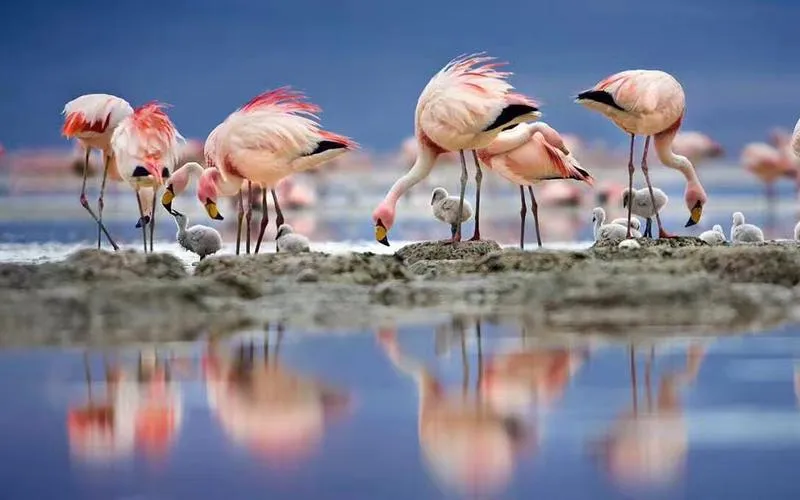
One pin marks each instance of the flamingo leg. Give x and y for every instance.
(100, 201)
(153, 219)
(522, 213)
(457, 236)
(264, 219)
(648, 228)
(141, 218)
(248, 216)
(239, 218)
(630, 183)
(85, 202)
(478, 180)
(646, 172)
(535, 211)
(770, 190)
(278, 212)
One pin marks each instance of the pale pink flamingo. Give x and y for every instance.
(146, 147)
(464, 106)
(650, 103)
(769, 163)
(526, 155)
(696, 146)
(92, 119)
(276, 135)
(609, 193)
(796, 140)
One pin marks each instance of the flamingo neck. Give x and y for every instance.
(421, 168)
(598, 221)
(675, 161)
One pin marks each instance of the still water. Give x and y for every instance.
(461, 409)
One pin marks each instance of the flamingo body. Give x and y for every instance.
(92, 119)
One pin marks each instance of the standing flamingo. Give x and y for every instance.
(527, 155)
(696, 146)
(650, 103)
(275, 135)
(796, 140)
(92, 119)
(464, 106)
(769, 163)
(146, 147)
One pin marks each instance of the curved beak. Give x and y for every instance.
(212, 210)
(694, 215)
(381, 233)
(166, 199)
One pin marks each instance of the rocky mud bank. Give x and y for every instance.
(666, 286)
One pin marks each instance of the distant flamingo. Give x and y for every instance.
(769, 164)
(696, 146)
(276, 135)
(796, 140)
(146, 147)
(464, 106)
(529, 154)
(92, 119)
(650, 103)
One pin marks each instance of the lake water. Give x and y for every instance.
(426, 412)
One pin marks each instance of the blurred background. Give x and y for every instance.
(365, 64)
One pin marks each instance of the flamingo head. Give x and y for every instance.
(207, 193)
(383, 216)
(696, 198)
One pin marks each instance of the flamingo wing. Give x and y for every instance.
(93, 113)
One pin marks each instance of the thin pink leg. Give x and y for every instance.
(239, 219)
(535, 210)
(264, 219)
(661, 232)
(85, 202)
(522, 213)
(141, 217)
(630, 183)
(248, 216)
(478, 178)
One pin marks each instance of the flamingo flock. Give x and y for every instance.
(467, 106)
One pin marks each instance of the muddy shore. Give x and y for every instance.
(675, 286)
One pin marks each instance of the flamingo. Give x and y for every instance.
(146, 147)
(528, 154)
(796, 140)
(464, 106)
(696, 146)
(650, 103)
(92, 119)
(274, 136)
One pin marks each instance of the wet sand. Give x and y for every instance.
(675, 286)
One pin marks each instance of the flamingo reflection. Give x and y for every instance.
(648, 448)
(137, 411)
(471, 443)
(266, 407)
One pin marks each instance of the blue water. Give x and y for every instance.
(738, 418)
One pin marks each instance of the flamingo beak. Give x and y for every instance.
(212, 210)
(166, 200)
(695, 214)
(381, 233)
(143, 221)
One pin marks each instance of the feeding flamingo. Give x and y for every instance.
(275, 135)
(92, 119)
(528, 154)
(146, 147)
(650, 103)
(464, 106)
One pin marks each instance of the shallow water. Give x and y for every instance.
(407, 414)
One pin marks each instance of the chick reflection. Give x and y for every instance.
(472, 443)
(137, 410)
(648, 448)
(265, 407)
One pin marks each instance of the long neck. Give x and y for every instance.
(421, 168)
(672, 160)
(181, 223)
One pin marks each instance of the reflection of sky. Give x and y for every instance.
(366, 62)
(374, 450)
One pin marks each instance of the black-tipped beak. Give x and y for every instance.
(690, 223)
(695, 215)
(143, 221)
(384, 241)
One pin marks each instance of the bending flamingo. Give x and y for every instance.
(146, 146)
(527, 155)
(650, 103)
(464, 106)
(275, 135)
(92, 119)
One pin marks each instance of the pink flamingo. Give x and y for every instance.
(650, 103)
(464, 106)
(796, 139)
(92, 119)
(146, 147)
(275, 135)
(769, 164)
(529, 154)
(696, 146)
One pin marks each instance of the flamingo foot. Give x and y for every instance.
(476, 236)
(664, 234)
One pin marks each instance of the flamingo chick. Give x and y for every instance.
(645, 206)
(464, 106)
(92, 119)
(288, 241)
(635, 225)
(716, 236)
(527, 154)
(745, 233)
(607, 232)
(198, 239)
(650, 103)
(445, 208)
(146, 146)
